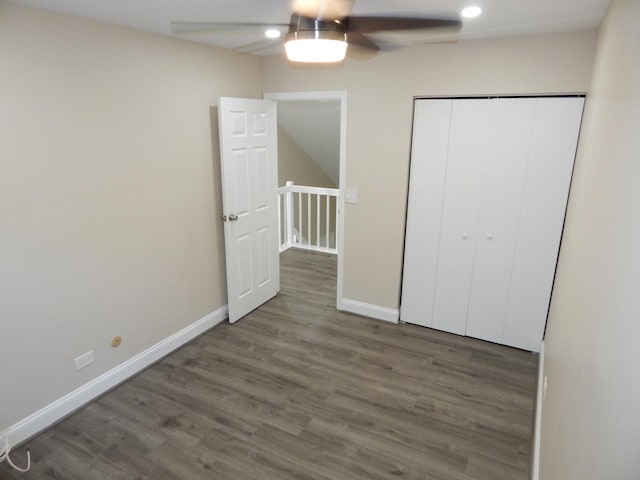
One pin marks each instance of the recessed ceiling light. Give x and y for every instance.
(471, 12)
(272, 33)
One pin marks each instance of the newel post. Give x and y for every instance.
(289, 212)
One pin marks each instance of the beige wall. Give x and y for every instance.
(108, 203)
(380, 102)
(591, 414)
(294, 164)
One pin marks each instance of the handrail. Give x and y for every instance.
(297, 218)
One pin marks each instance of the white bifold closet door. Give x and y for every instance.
(468, 134)
(488, 190)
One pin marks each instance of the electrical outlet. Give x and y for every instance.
(84, 360)
(352, 195)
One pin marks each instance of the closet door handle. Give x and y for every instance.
(489, 236)
(465, 235)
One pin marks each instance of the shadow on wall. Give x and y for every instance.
(217, 187)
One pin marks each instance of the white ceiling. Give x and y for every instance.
(499, 18)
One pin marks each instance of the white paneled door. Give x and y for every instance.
(248, 153)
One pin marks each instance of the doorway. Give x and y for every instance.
(293, 100)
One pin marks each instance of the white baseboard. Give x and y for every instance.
(369, 310)
(83, 395)
(535, 458)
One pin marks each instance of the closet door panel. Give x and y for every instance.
(469, 131)
(502, 192)
(426, 188)
(553, 146)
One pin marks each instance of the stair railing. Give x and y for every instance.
(308, 217)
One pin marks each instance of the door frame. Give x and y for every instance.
(341, 96)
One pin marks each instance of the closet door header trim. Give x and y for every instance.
(485, 97)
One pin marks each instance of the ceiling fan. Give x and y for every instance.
(319, 31)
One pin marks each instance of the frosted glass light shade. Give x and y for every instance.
(316, 50)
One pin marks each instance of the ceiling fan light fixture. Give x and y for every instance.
(316, 46)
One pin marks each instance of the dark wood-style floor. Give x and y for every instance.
(298, 390)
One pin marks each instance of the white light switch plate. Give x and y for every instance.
(352, 195)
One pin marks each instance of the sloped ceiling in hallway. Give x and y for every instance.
(315, 126)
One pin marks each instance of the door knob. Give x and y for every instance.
(233, 217)
(489, 236)
(465, 235)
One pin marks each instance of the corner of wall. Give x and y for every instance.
(535, 457)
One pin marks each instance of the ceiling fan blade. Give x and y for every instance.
(199, 28)
(377, 24)
(322, 9)
(358, 40)
(257, 46)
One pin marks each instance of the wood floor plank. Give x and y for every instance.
(299, 390)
